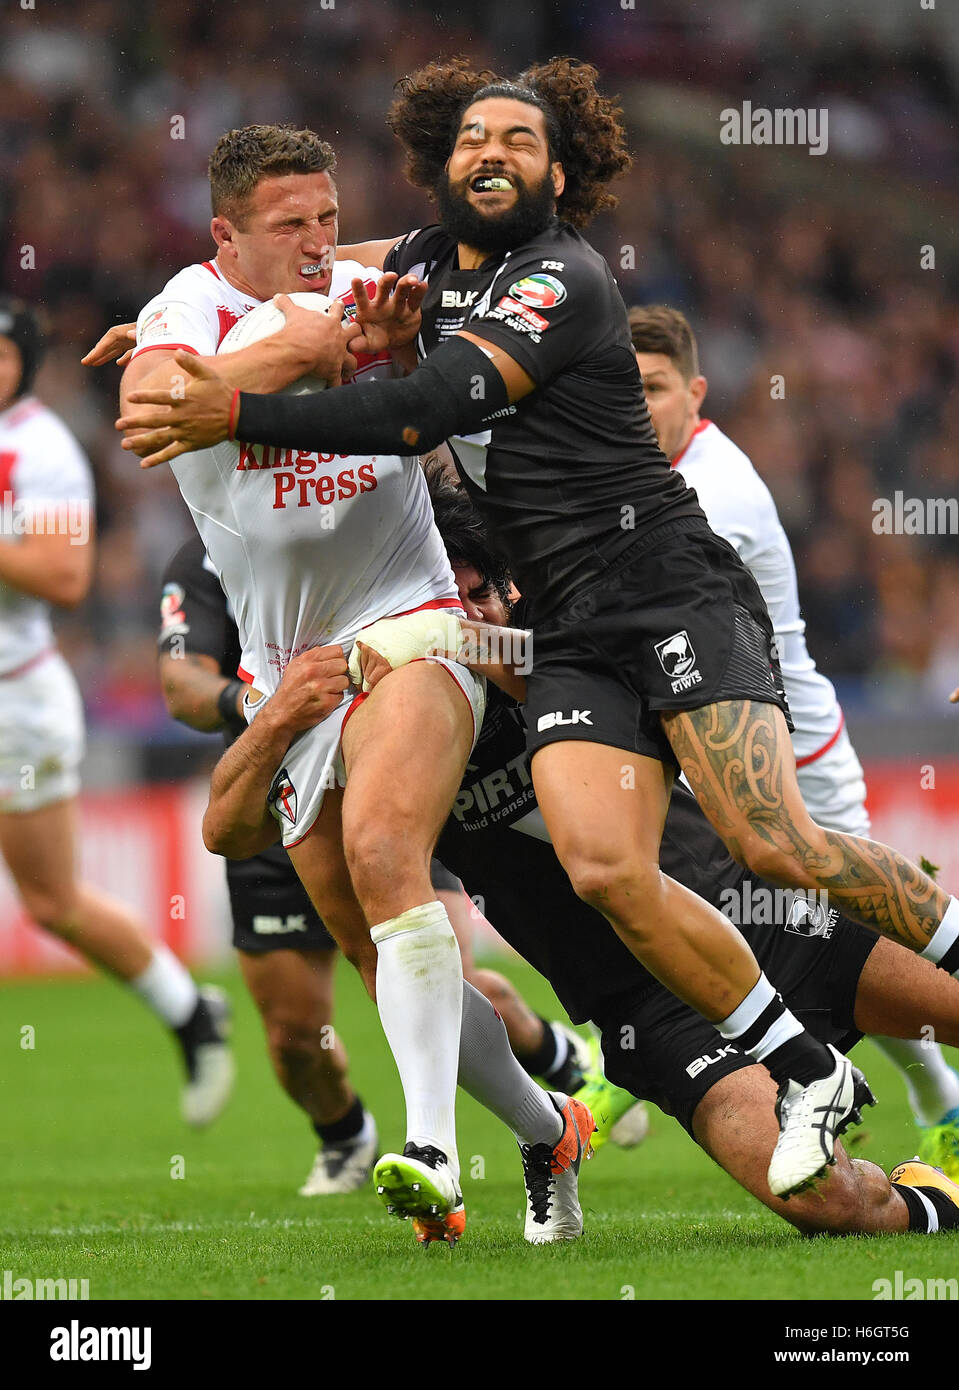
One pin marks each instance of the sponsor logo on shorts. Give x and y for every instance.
(560, 720)
(708, 1060)
(264, 925)
(807, 917)
(282, 796)
(538, 291)
(678, 659)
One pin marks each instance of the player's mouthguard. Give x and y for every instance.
(311, 269)
(489, 183)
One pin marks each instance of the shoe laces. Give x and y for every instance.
(538, 1176)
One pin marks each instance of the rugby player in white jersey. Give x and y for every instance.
(310, 551)
(739, 507)
(46, 559)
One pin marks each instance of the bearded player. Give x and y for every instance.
(46, 560)
(310, 549)
(527, 367)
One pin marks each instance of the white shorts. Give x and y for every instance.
(41, 736)
(834, 789)
(314, 760)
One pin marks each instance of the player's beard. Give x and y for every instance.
(493, 233)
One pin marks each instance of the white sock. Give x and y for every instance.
(945, 935)
(492, 1075)
(166, 987)
(419, 991)
(931, 1084)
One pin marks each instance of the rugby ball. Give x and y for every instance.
(267, 319)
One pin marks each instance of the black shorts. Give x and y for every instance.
(678, 624)
(663, 1051)
(272, 911)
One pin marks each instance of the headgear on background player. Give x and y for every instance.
(21, 324)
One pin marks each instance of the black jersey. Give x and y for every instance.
(195, 617)
(570, 477)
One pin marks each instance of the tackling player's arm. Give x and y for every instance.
(368, 252)
(308, 342)
(198, 646)
(452, 392)
(456, 390)
(198, 694)
(238, 822)
(501, 654)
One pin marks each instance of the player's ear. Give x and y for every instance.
(558, 175)
(221, 230)
(697, 391)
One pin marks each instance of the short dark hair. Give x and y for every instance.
(242, 157)
(659, 328)
(462, 530)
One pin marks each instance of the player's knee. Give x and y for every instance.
(380, 853)
(297, 1040)
(835, 1210)
(54, 911)
(618, 889)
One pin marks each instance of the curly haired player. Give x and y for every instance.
(528, 369)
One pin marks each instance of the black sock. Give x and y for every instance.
(343, 1130)
(756, 1027)
(803, 1059)
(950, 959)
(201, 1027)
(947, 1213)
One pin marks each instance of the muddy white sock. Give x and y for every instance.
(419, 991)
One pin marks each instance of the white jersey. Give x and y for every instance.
(310, 547)
(45, 485)
(739, 508)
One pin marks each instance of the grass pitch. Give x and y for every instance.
(90, 1141)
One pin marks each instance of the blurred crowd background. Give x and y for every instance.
(793, 266)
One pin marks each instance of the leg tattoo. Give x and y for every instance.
(737, 759)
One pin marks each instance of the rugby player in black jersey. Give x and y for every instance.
(841, 978)
(653, 645)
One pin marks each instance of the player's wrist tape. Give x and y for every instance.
(432, 632)
(451, 392)
(226, 703)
